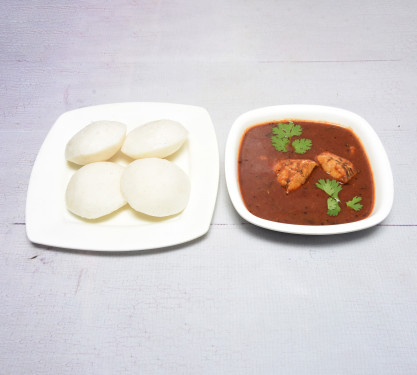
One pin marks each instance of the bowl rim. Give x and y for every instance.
(377, 156)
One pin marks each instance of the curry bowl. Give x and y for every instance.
(332, 119)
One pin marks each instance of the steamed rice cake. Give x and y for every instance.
(156, 139)
(98, 141)
(94, 190)
(155, 187)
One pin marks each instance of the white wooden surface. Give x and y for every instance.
(240, 300)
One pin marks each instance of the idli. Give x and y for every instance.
(94, 190)
(98, 141)
(155, 187)
(156, 139)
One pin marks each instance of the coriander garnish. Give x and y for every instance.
(333, 207)
(332, 188)
(283, 133)
(280, 144)
(354, 203)
(301, 146)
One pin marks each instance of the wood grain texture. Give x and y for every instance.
(240, 300)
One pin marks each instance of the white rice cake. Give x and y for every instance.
(94, 190)
(155, 187)
(98, 141)
(156, 139)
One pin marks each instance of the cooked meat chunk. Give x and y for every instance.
(292, 173)
(339, 168)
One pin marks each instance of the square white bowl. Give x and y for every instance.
(382, 174)
(48, 222)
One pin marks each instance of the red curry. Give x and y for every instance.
(266, 198)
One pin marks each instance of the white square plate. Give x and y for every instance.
(48, 222)
(383, 180)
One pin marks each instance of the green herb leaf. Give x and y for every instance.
(354, 203)
(330, 187)
(301, 146)
(283, 130)
(280, 144)
(333, 207)
(282, 133)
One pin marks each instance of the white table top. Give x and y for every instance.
(241, 299)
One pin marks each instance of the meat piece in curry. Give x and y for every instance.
(292, 173)
(339, 168)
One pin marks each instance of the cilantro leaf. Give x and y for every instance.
(330, 187)
(301, 146)
(354, 203)
(333, 207)
(289, 130)
(280, 144)
(283, 132)
(277, 131)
